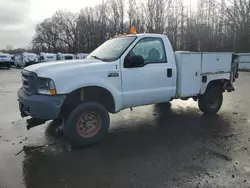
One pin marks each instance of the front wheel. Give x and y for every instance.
(211, 102)
(87, 124)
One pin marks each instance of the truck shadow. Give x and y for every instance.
(168, 145)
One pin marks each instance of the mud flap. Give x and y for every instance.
(234, 68)
(33, 122)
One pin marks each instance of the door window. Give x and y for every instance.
(151, 49)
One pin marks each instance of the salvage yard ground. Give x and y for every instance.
(155, 146)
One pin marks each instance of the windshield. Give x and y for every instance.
(112, 49)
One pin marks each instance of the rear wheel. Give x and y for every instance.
(8, 66)
(211, 102)
(87, 124)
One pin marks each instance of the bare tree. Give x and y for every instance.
(213, 25)
(9, 48)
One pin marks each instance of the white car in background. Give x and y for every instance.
(47, 57)
(81, 55)
(68, 56)
(25, 59)
(5, 60)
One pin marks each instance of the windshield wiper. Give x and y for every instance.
(96, 57)
(105, 60)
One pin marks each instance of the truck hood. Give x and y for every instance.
(56, 68)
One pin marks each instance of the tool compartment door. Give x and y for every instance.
(189, 79)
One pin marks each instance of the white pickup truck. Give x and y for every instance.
(25, 59)
(124, 72)
(61, 56)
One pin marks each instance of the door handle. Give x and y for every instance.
(169, 73)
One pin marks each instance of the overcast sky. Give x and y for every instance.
(18, 18)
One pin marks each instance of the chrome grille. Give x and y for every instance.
(29, 80)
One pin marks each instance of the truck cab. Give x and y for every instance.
(124, 72)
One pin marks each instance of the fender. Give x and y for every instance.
(66, 88)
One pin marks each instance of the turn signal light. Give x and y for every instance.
(52, 91)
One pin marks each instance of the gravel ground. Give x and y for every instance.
(155, 146)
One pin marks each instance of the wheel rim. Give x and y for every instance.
(88, 125)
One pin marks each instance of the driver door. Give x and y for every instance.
(151, 83)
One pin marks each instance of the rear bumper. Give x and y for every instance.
(5, 62)
(40, 106)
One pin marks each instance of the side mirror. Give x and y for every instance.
(134, 61)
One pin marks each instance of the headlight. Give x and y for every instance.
(46, 86)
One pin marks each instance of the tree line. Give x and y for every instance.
(209, 25)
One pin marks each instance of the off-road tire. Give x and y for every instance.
(71, 124)
(214, 93)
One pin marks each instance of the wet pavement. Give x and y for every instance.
(155, 146)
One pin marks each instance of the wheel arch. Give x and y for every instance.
(218, 83)
(215, 79)
(97, 94)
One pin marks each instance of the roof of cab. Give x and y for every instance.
(147, 35)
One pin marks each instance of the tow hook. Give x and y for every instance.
(33, 122)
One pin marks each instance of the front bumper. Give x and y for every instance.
(40, 106)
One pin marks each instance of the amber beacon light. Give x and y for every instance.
(133, 30)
